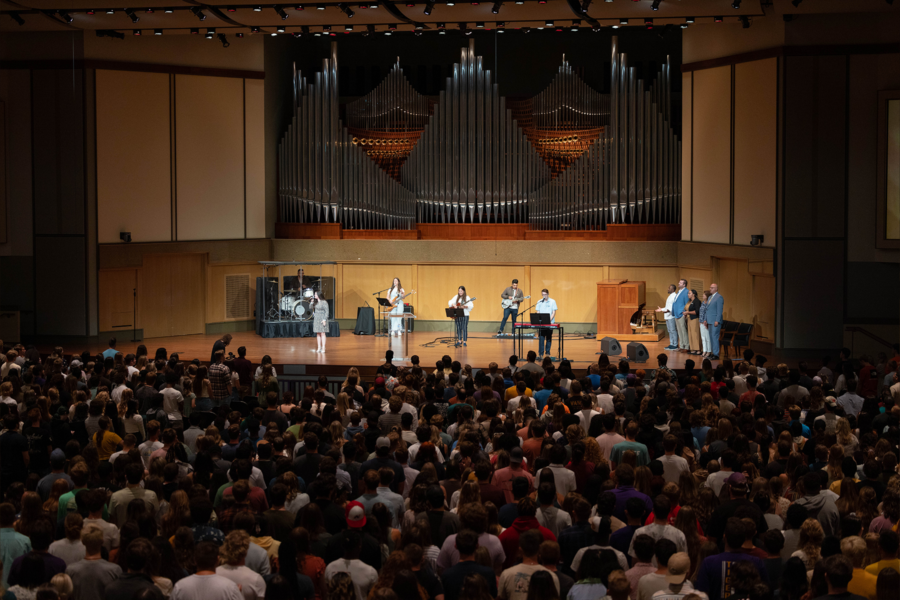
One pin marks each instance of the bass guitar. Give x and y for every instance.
(508, 302)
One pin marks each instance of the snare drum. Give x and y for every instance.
(308, 294)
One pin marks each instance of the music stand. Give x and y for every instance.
(384, 303)
(455, 314)
(540, 318)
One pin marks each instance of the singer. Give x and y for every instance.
(462, 300)
(546, 305)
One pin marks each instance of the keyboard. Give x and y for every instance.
(530, 325)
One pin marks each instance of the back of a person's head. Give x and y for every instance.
(139, 552)
(466, 542)
(206, 555)
(662, 550)
(838, 571)
(644, 547)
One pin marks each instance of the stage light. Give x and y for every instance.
(130, 13)
(501, 27)
(280, 29)
(573, 28)
(157, 32)
(479, 24)
(548, 24)
(718, 19)
(198, 13)
(169, 11)
(66, 16)
(689, 19)
(280, 12)
(520, 2)
(410, 5)
(326, 28)
(194, 31)
(648, 23)
(496, 8)
(254, 29)
(392, 26)
(231, 9)
(135, 32)
(298, 8)
(110, 11)
(149, 11)
(526, 29)
(296, 34)
(346, 10)
(257, 9)
(320, 7)
(210, 33)
(736, 4)
(89, 11)
(655, 5)
(429, 6)
(451, 4)
(745, 22)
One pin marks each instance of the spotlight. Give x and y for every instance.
(574, 28)
(429, 6)
(320, 7)
(296, 34)
(520, 2)
(501, 26)
(655, 5)
(440, 25)
(89, 11)
(648, 23)
(548, 24)
(689, 19)
(194, 31)
(623, 21)
(451, 3)
(125, 236)
(496, 8)
(169, 11)
(110, 11)
(736, 4)
(373, 6)
(392, 27)
(346, 10)
(410, 5)
(149, 11)
(326, 28)
(745, 22)
(281, 13)
(130, 13)
(239, 34)
(257, 9)
(157, 32)
(280, 29)
(66, 16)
(136, 32)
(208, 35)
(231, 9)
(480, 24)
(419, 26)
(254, 30)
(198, 13)
(718, 19)
(348, 27)
(298, 8)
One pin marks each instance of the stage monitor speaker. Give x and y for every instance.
(410, 323)
(637, 352)
(610, 346)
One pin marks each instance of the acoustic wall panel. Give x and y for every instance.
(711, 207)
(687, 164)
(255, 157)
(134, 190)
(209, 158)
(755, 133)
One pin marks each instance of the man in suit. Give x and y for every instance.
(681, 300)
(714, 308)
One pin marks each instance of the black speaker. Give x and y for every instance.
(610, 346)
(637, 352)
(410, 325)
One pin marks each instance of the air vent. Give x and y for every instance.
(237, 296)
(696, 284)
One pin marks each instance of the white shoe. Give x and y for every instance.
(314, 350)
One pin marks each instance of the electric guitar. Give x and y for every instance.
(458, 305)
(401, 297)
(508, 302)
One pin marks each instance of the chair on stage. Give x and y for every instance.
(741, 337)
(726, 335)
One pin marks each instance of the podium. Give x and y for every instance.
(617, 302)
(406, 317)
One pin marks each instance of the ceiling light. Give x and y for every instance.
(717, 19)
(257, 9)
(239, 35)
(281, 13)
(231, 9)
(496, 8)
(520, 2)
(451, 3)
(326, 27)
(655, 5)
(157, 32)
(135, 32)
(254, 29)
(66, 16)
(348, 27)
(648, 23)
(298, 7)
(280, 29)
(110, 11)
(169, 11)
(89, 11)
(210, 33)
(130, 13)
(198, 13)
(149, 11)
(194, 31)
(548, 24)
(429, 6)
(480, 24)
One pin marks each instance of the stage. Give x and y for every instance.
(367, 352)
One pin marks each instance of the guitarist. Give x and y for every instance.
(514, 295)
(462, 300)
(395, 297)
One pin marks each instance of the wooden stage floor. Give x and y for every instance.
(368, 351)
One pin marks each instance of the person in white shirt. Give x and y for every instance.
(660, 527)
(362, 575)
(850, 401)
(462, 300)
(673, 466)
(609, 437)
(564, 478)
(605, 399)
(206, 584)
(670, 319)
(234, 555)
(546, 306)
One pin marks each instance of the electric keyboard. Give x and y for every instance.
(519, 330)
(536, 326)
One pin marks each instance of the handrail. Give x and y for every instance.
(868, 333)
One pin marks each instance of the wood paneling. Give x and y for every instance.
(573, 288)
(764, 307)
(687, 163)
(255, 157)
(644, 232)
(215, 292)
(360, 281)
(438, 283)
(657, 280)
(116, 299)
(209, 157)
(711, 200)
(308, 231)
(472, 231)
(133, 157)
(478, 232)
(379, 234)
(755, 140)
(175, 297)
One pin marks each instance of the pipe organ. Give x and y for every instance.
(583, 160)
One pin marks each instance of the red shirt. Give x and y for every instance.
(510, 537)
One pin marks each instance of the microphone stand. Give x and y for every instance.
(381, 332)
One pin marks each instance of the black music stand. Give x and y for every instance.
(456, 314)
(383, 303)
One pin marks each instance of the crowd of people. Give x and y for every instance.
(138, 477)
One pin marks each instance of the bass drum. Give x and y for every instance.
(303, 311)
(287, 303)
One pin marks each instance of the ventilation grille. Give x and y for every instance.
(696, 284)
(237, 296)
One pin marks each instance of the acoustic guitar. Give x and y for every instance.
(508, 302)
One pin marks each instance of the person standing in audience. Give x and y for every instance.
(715, 307)
(692, 318)
(93, 574)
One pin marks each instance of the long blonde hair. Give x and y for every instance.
(343, 404)
(469, 493)
(844, 434)
(811, 537)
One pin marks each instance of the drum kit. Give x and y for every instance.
(297, 305)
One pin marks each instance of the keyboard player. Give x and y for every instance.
(546, 305)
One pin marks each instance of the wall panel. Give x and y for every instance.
(360, 281)
(117, 303)
(254, 156)
(438, 283)
(755, 132)
(687, 164)
(711, 208)
(175, 294)
(736, 286)
(657, 280)
(215, 291)
(133, 156)
(573, 287)
(209, 157)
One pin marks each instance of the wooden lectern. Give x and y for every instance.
(617, 301)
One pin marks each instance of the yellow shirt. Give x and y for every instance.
(512, 393)
(863, 584)
(109, 444)
(881, 565)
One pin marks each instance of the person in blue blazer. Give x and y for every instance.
(681, 300)
(714, 307)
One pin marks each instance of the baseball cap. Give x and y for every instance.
(678, 567)
(379, 381)
(382, 442)
(830, 401)
(515, 456)
(356, 515)
(737, 480)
